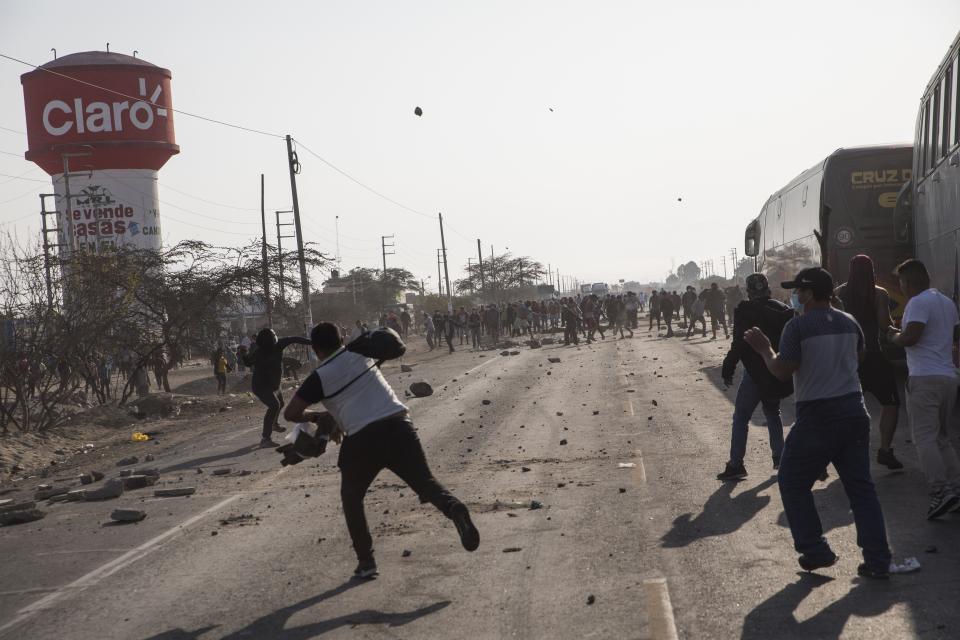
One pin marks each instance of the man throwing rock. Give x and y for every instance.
(378, 434)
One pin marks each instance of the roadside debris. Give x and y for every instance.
(554, 360)
(221, 472)
(127, 515)
(112, 488)
(591, 599)
(909, 565)
(421, 389)
(20, 517)
(405, 368)
(406, 553)
(626, 465)
(125, 462)
(512, 549)
(174, 493)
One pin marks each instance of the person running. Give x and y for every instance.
(654, 310)
(716, 303)
(929, 336)
(377, 434)
(869, 304)
(697, 314)
(429, 329)
(821, 349)
(405, 320)
(632, 305)
(734, 298)
(675, 299)
(666, 310)
(267, 363)
(758, 385)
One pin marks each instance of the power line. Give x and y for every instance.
(10, 153)
(124, 95)
(20, 177)
(23, 133)
(361, 184)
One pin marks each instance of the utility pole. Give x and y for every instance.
(68, 197)
(724, 260)
(470, 273)
(736, 263)
(46, 243)
(439, 279)
(446, 271)
(383, 249)
(280, 249)
(263, 251)
(294, 166)
(336, 221)
(483, 285)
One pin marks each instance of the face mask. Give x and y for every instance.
(795, 302)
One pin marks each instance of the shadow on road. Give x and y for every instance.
(721, 514)
(775, 616)
(832, 505)
(273, 624)
(182, 634)
(198, 462)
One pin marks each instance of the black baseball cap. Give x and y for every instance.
(817, 279)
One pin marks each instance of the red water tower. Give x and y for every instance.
(108, 117)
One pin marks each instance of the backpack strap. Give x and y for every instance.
(344, 387)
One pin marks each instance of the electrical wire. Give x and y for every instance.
(23, 133)
(361, 184)
(20, 177)
(31, 192)
(124, 95)
(11, 153)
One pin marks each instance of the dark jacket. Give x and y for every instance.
(769, 316)
(268, 363)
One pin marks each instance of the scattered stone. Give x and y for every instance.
(97, 476)
(46, 494)
(596, 413)
(524, 469)
(554, 360)
(199, 470)
(406, 368)
(175, 493)
(127, 515)
(622, 490)
(213, 533)
(534, 344)
(512, 549)
(149, 458)
(421, 389)
(563, 442)
(535, 504)
(484, 401)
(17, 506)
(86, 478)
(20, 517)
(221, 472)
(504, 353)
(514, 353)
(931, 549)
(225, 408)
(591, 599)
(138, 482)
(653, 402)
(128, 461)
(548, 341)
(77, 495)
(112, 488)
(126, 473)
(559, 413)
(561, 485)
(406, 553)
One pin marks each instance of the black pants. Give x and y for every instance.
(274, 402)
(387, 444)
(570, 333)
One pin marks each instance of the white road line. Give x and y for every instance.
(640, 472)
(662, 624)
(108, 569)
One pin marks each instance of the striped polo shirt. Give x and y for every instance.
(824, 342)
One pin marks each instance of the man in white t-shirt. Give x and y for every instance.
(929, 336)
(377, 434)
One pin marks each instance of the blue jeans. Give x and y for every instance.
(825, 432)
(748, 397)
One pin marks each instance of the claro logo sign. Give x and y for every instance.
(61, 117)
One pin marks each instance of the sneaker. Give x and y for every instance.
(941, 503)
(887, 459)
(267, 442)
(873, 574)
(812, 563)
(733, 473)
(366, 570)
(469, 536)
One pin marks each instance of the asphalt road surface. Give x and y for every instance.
(635, 538)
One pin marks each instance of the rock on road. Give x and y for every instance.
(635, 537)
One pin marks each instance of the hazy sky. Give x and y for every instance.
(720, 103)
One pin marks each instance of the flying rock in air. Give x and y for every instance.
(418, 111)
